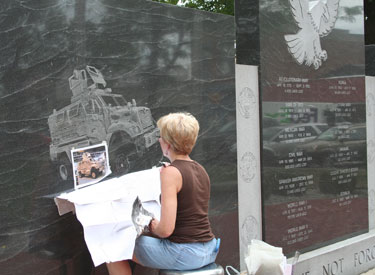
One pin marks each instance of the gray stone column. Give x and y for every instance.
(248, 157)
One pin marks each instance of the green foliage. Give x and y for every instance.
(173, 2)
(227, 7)
(218, 6)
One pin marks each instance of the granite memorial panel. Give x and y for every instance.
(312, 87)
(370, 55)
(75, 73)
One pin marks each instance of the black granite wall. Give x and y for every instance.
(165, 57)
(370, 60)
(312, 87)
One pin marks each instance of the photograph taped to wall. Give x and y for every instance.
(90, 164)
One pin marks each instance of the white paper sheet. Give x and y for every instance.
(110, 242)
(145, 184)
(264, 259)
(104, 210)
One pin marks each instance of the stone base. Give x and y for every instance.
(348, 257)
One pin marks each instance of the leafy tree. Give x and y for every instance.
(173, 2)
(227, 7)
(218, 6)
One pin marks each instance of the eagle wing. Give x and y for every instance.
(300, 10)
(326, 27)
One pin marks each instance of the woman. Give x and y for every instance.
(184, 239)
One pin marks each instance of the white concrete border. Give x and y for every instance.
(248, 155)
(348, 257)
(370, 129)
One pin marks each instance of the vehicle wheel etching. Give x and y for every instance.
(120, 150)
(120, 164)
(64, 168)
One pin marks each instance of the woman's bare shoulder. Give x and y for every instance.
(171, 177)
(170, 171)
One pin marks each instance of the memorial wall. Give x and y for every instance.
(370, 55)
(313, 118)
(75, 73)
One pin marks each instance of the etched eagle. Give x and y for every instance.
(315, 19)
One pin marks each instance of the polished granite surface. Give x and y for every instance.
(164, 57)
(370, 57)
(312, 87)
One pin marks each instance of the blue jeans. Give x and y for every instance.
(164, 254)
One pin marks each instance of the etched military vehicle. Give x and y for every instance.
(95, 115)
(89, 167)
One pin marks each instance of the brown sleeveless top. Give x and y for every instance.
(192, 224)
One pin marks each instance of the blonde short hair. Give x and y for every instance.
(180, 130)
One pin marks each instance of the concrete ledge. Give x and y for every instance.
(370, 272)
(349, 257)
